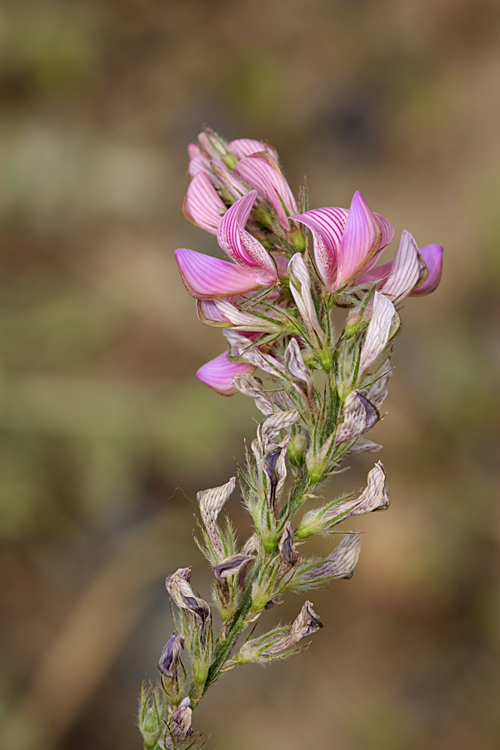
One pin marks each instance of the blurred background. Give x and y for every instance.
(105, 433)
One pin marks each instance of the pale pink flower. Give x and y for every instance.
(347, 245)
(206, 277)
(345, 241)
(231, 170)
(218, 374)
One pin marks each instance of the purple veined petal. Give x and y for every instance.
(202, 205)
(226, 178)
(300, 287)
(378, 273)
(405, 269)
(198, 161)
(433, 259)
(360, 239)
(242, 246)
(327, 227)
(209, 313)
(218, 374)
(243, 147)
(210, 278)
(378, 331)
(386, 229)
(359, 417)
(222, 313)
(211, 144)
(261, 172)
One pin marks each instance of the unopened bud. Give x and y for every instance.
(151, 729)
(270, 541)
(298, 240)
(230, 160)
(354, 323)
(200, 671)
(326, 359)
(150, 717)
(316, 473)
(309, 525)
(296, 448)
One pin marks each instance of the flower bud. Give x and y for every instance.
(150, 717)
(296, 448)
(326, 359)
(297, 239)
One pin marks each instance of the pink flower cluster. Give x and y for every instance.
(239, 193)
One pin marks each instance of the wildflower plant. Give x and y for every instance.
(320, 389)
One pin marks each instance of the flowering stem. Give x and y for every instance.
(225, 647)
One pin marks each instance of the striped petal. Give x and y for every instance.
(375, 274)
(222, 313)
(218, 374)
(261, 172)
(327, 226)
(198, 162)
(243, 147)
(300, 287)
(210, 278)
(377, 333)
(202, 205)
(433, 258)
(241, 246)
(360, 239)
(405, 270)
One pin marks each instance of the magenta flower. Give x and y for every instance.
(218, 374)
(210, 278)
(347, 245)
(232, 170)
(261, 172)
(400, 277)
(345, 241)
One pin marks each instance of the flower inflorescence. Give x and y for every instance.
(320, 390)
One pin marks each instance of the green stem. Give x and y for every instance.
(225, 647)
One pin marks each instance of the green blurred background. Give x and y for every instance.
(106, 435)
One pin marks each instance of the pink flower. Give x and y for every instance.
(345, 241)
(347, 245)
(210, 278)
(231, 170)
(403, 275)
(218, 374)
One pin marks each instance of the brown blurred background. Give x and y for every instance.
(106, 435)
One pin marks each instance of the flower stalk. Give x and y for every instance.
(320, 392)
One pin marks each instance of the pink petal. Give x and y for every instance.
(198, 161)
(360, 240)
(433, 259)
(386, 229)
(219, 373)
(210, 278)
(405, 269)
(377, 333)
(209, 313)
(225, 177)
(387, 233)
(202, 205)
(223, 313)
(243, 147)
(262, 173)
(327, 226)
(374, 274)
(211, 144)
(242, 246)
